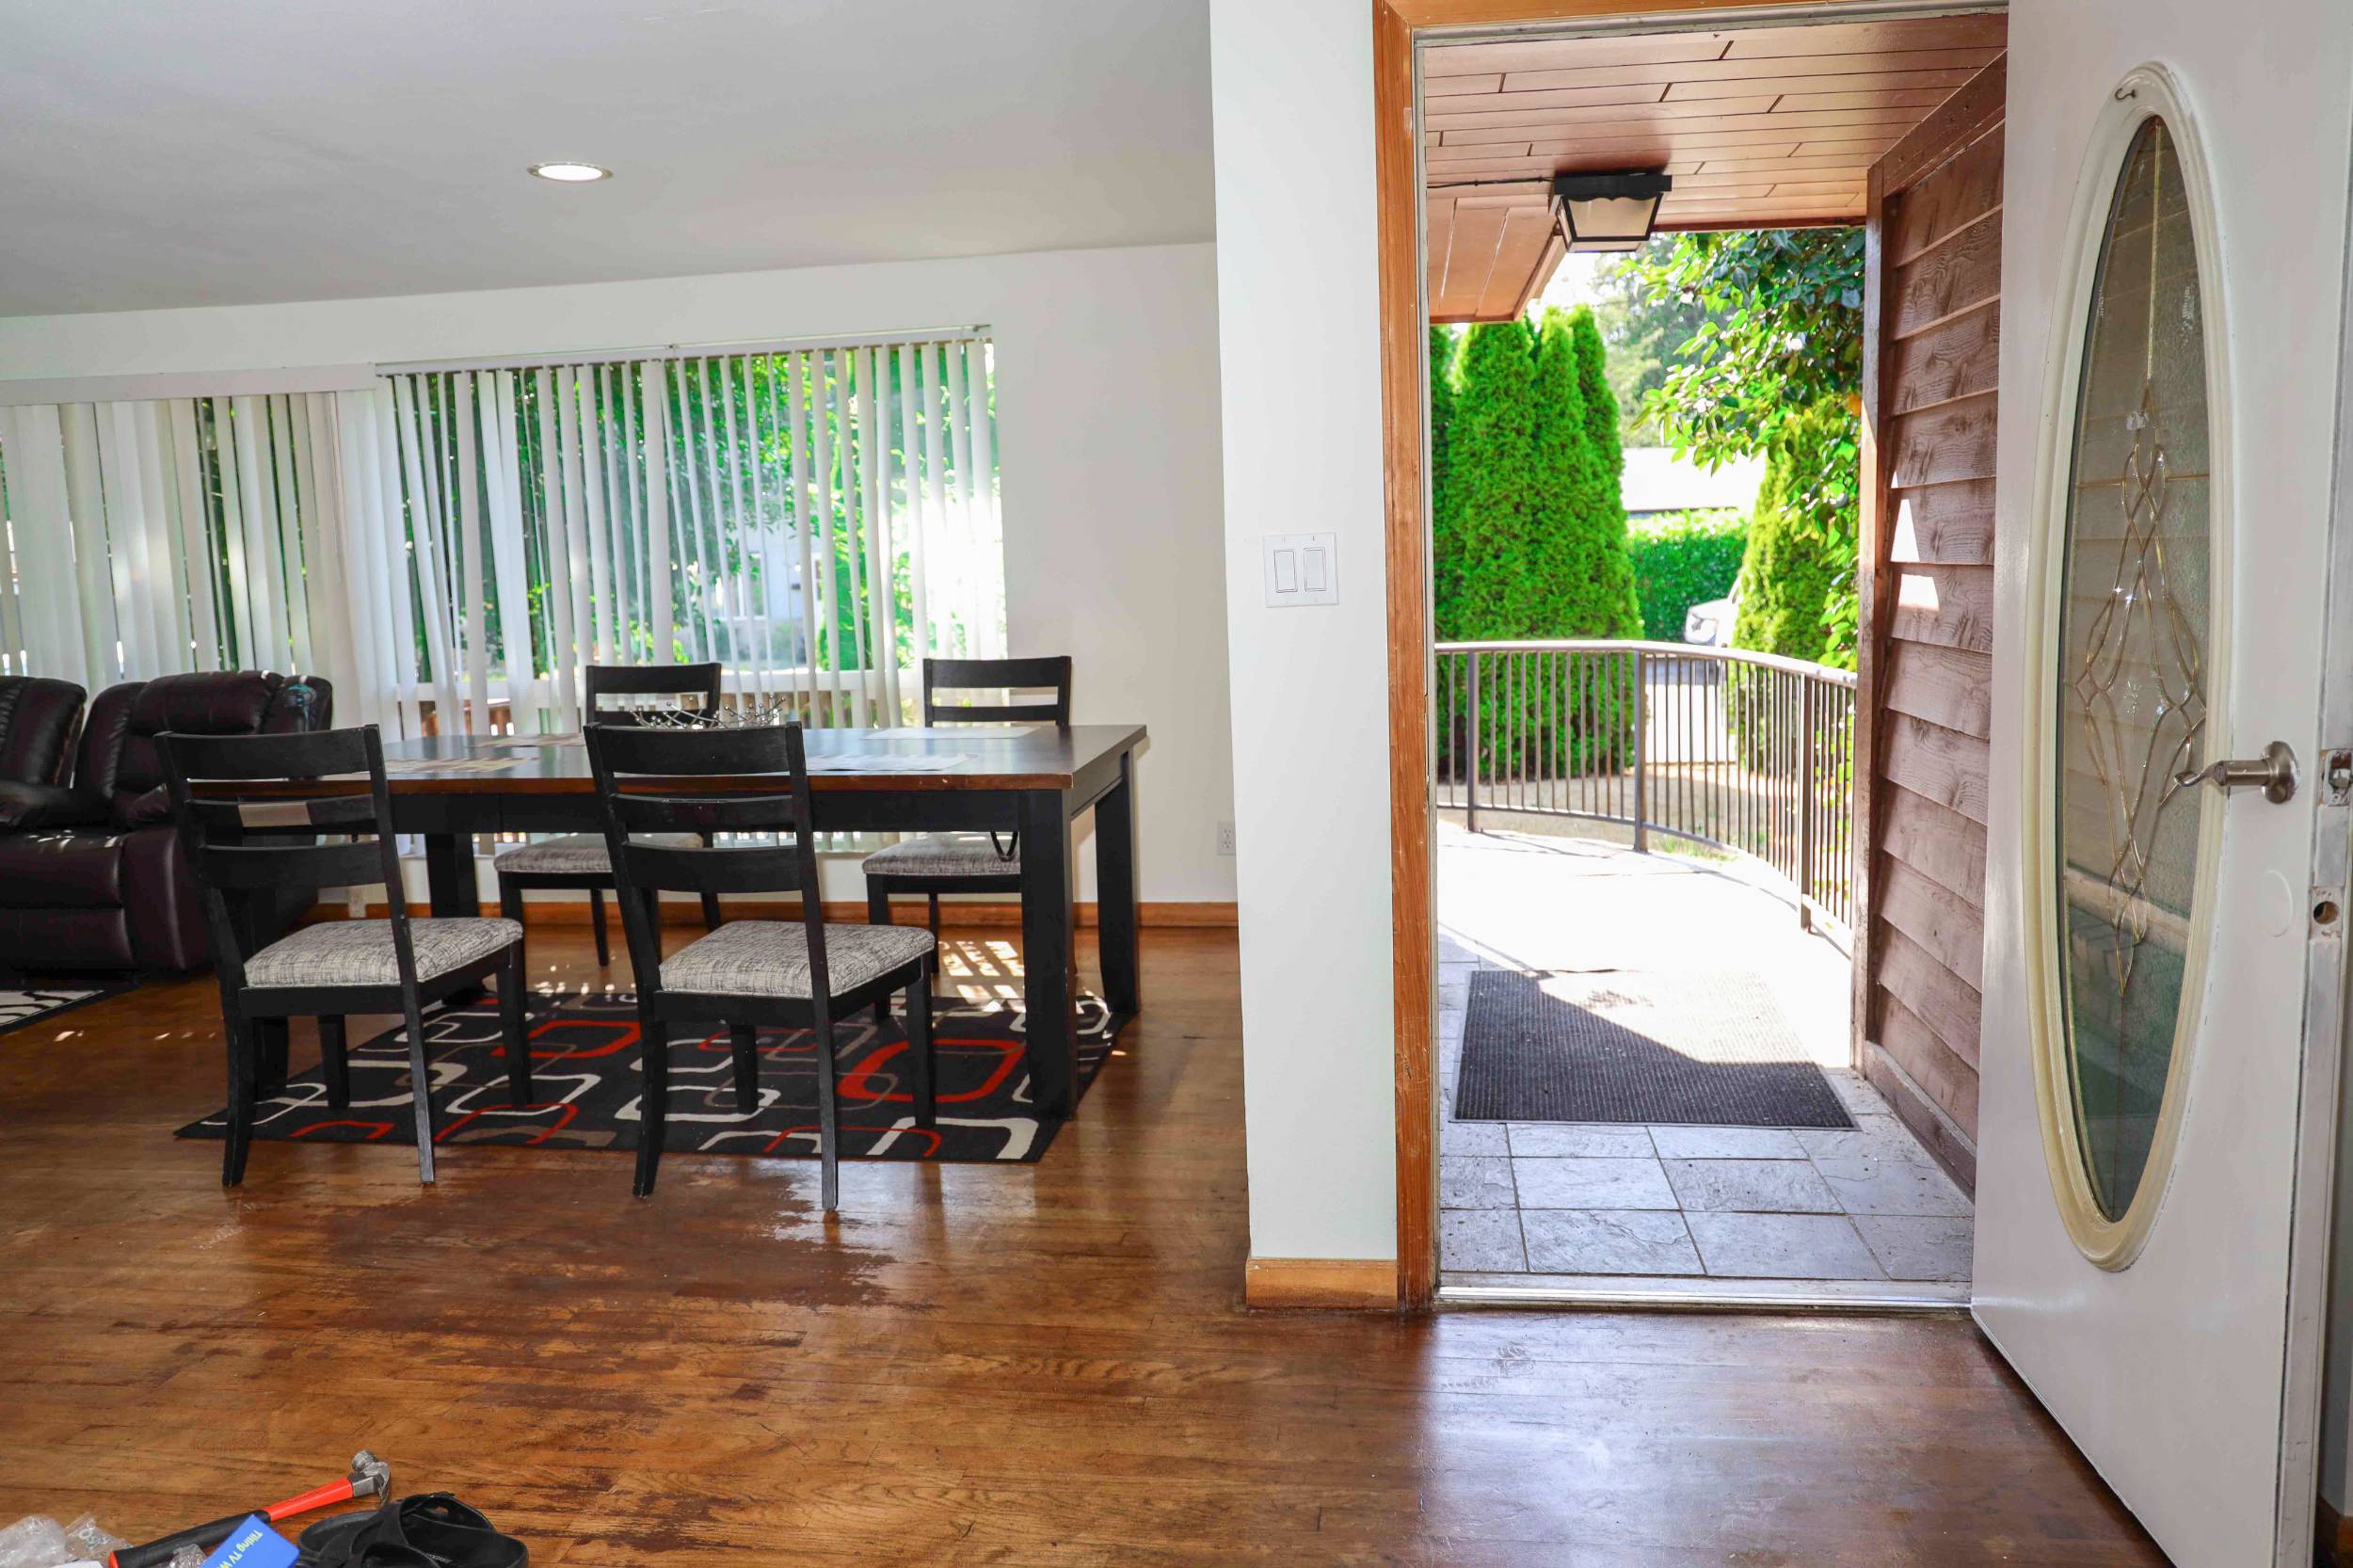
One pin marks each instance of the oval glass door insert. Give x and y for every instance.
(2132, 677)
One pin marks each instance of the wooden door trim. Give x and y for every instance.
(1404, 370)
(1405, 367)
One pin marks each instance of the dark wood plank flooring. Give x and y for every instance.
(1037, 1364)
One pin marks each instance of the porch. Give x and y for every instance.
(1676, 819)
(1656, 1210)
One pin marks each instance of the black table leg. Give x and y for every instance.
(450, 889)
(1116, 909)
(449, 879)
(1048, 975)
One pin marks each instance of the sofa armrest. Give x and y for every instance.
(25, 807)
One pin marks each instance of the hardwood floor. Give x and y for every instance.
(1040, 1364)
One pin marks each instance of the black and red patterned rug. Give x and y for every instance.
(587, 1081)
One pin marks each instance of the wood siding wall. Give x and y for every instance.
(1932, 355)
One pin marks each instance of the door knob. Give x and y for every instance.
(2273, 773)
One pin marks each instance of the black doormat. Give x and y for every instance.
(1703, 1048)
(587, 1081)
(26, 1003)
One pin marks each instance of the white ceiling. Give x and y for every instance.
(230, 151)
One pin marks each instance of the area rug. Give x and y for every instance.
(1708, 1048)
(587, 1083)
(26, 1004)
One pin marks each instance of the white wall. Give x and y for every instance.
(1107, 377)
(1292, 91)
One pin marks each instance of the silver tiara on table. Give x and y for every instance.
(750, 712)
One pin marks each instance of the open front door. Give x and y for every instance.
(2161, 961)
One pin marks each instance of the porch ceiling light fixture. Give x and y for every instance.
(1608, 212)
(570, 172)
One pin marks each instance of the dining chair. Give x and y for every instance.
(655, 784)
(577, 861)
(246, 849)
(937, 863)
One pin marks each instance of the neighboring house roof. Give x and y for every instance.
(1658, 481)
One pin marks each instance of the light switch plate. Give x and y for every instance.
(1302, 568)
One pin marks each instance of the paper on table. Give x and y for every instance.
(887, 762)
(963, 731)
(447, 765)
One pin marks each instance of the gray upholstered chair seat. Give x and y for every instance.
(946, 854)
(578, 854)
(770, 958)
(359, 953)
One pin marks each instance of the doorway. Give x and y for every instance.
(2161, 1027)
(1658, 1077)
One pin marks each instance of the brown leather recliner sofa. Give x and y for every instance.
(91, 875)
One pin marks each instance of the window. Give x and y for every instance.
(452, 547)
(816, 520)
(2130, 706)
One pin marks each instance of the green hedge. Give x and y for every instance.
(1682, 559)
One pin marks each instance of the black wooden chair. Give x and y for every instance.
(245, 850)
(576, 861)
(937, 863)
(801, 974)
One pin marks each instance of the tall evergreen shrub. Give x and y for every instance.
(1801, 543)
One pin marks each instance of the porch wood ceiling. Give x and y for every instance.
(1761, 127)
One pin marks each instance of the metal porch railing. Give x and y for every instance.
(1745, 752)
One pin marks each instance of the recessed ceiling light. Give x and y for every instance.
(570, 173)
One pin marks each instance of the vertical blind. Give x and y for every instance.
(185, 534)
(453, 547)
(816, 521)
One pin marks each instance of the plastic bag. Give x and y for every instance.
(39, 1542)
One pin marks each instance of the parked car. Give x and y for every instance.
(1709, 624)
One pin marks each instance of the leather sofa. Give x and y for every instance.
(91, 875)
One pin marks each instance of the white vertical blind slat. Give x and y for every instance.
(85, 514)
(40, 520)
(163, 575)
(124, 521)
(654, 401)
(797, 423)
(196, 554)
(286, 443)
(572, 584)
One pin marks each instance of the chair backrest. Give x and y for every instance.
(990, 675)
(667, 681)
(243, 846)
(753, 780)
(37, 720)
(116, 761)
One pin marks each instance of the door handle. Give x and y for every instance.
(2273, 773)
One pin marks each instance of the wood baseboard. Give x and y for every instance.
(1350, 1284)
(2332, 1537)
(1937, 1133)
(952, 915)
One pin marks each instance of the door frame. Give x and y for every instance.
(1398, 26)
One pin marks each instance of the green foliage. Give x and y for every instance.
(1443, 346)
(1782, 330)
(1682, 559)
(1530, 532)
(1645, 328)
(1585, 576)
(1798, 578)
(1481, 539)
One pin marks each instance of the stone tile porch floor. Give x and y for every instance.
(1657, 1210)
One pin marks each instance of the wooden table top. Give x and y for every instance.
(948, 756)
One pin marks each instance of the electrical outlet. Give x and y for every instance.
(1225, 838)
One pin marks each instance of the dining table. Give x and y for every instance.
(1034, 780)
